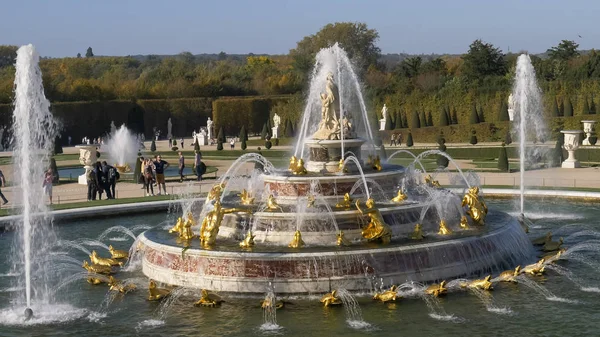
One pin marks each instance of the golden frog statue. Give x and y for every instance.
(103, 261)
(155, 293)
(342, 167)
(437, 290)
(116, 285)
(346, 203)
(330, 299)
(297, 240)
(552, 245)
(292, 166)
(178, 227)
(245, 198)
(208, 299)
(341, 240)
(95, 280)
(299, 169)
(535, 269)
(96, 268)
(248, 242)
(118, 254)
(464, 223)
(431, 182)
(400, 197)
(387, 296)
(186, 232)
(376, 164)
(417, 233)
(212, 222)
(444, 230)
(272, 205)
(483, 284)
(215, 192)
(310, 201)
(476, 207)
(553, 256)
(267, 303)
(376, 229)
(542, 240)
(510, 275)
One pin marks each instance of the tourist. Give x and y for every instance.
(91, 185)
(48, 177)
(399, 139)
(69, 138)
(112, 175)
(393, 139)
(159, 167)
(181, 142)
(141, 180)
(3, 184)
(197, 165)
(148, 168)
(106, 180)
(100, 179)
(181, 164)
(232, 143)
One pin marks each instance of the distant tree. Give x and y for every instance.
(503, 160)
(473, 140)
(568, 108)
(480, 115)
(410, 67)
(409, 140)
(78, 55)
(565, 51)
(555, 111)
(507, 137)
(429, 119)
(243, 137)
(289, 128)
(586, 108)
(503, 113)
(264, 133)
(443, 118)
(592, 106)
(222, 56)
(8, 55)
(398, 121)
(153, 146)
(483, 59)
(221, 135)
(89, 52)
(474, 118)
(454, 116)
(389, 125)
(415, 122)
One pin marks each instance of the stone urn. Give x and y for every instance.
(588, 129)
(571, 144)
(87, 157)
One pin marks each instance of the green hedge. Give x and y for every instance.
(253, 112)
(187, 114)
(459, 133)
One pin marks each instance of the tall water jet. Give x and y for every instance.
(527, 100)
(34, 133)
(122, 147)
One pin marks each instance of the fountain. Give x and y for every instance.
(526, 101)
(292, 228)
(34, 133)
(122, 147)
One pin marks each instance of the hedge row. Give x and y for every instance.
(253, 112)
(458, 133)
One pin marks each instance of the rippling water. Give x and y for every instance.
(510, 310)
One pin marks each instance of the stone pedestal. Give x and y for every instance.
(511, 114)
(87, 157)
(588, 129)
(325, 155)
(275, 132)
(202, 139)
(571, 144)
(382, 124)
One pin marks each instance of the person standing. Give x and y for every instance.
(3, 184)
(48, 177)
(181, 142)
(181, 164)
(142, 179)
(91, 185)
(399, 138)
(112, 176)
(198, 165)
(100, 179)
(393, 139)
(232, 143)
(160, 166)
(106, 180)
(148, 168)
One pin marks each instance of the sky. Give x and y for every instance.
(127, 27)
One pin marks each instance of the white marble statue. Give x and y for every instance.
(511, 107)
(329, 127)
(383, 120)
(169, 129)
(275, 128)
(209, 128)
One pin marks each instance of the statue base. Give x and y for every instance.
(325, 155)
(275, 132)
(382, 124)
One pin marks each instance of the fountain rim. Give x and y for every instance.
(334, 143)
(388, 170)
(571, 132)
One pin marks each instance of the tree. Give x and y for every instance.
(8, 55)
(409, 140)
(221, 135)
(219, 144)
(415, 123)
(398, 121)
(429, 119)
(443, 118)
(503, 113)
(289, 128)
(473, 140)
(586, 108)
(454, 116)
(264, 133)
(507, 137)
(555, 111)
(78, 55)
(592, 106)
(89, 52)
(388, 123)
(153, 146)
(482, 60)
(474, 118)
(356, 39)
(565, 51)
(480, 115)
(568, 108)
(410, 67)
(503, 160)
(243, 137)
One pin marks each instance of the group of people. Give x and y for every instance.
(153, 171)
(396, 139)
(102, 178)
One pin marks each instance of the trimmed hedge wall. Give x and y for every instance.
(187, 115)
(486, 132)
(253, 112)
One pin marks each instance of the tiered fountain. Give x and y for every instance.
(334, 221)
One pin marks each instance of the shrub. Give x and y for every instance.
(415, 123)
(174, 148)
(289, 128)
(568, 108)
(174, 142)
(443, 118)
(398, 121)
(243, 134)
(442, 161)
(221, 135)
(454, 116)
(558, 151)
(153, 146)
(276, 142)
(480, 115)
(57, 146)
(474, 118)
(196, 146)
(264, 133)
(507, 137)
(473, 140)
(219, 145)
(586, 108)
(503, 160)
(382, 153)
(388, 123)
(54, 168)
(429, 119)
(503, 113)
(592, 106)
(137, 172)
(555, 111)
(233, 112)
(268, 144)
(409, 140)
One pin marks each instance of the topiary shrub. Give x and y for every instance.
(568, 108)
(137, 172)
(221, 135)
(219, 145)
(503, 113)
(480, 115)
(409, 140)
(153, 146)
(473, 140)
(398, 121)
(276, 142)
(454, 116)
(592, 106)
(382, 153)
(174, 148)
(474, 118)
(57, 146)
(507, 137)
(503, 160)
(268, 144)
(443, 118)
(429, 119)
(555, 110)
(174, 142)
(586, 108)
(558, 157)
(415, 122)
(264, 133)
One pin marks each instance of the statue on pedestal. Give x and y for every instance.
(383, 120)
(329, 127)
(169, 129)
(276, 123)
(511, 107)
(209, 128)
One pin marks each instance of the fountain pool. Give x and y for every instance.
(511, 309)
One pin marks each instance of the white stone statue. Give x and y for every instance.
(588, 129)
(383, 120)
(511, 107)
(87, 157)
(169, 129)
(276, 123)
(209, 128)
(329, 127)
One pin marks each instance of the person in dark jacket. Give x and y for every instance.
(112, 175)
(91, 184)
(100, 180)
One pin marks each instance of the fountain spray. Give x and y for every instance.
(34, 133)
